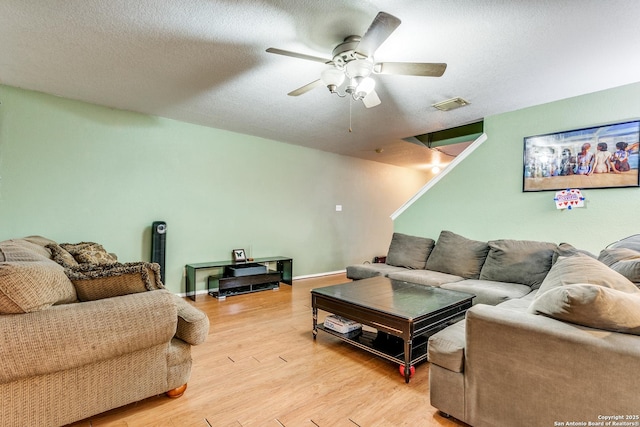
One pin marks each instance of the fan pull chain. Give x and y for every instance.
(350, 104)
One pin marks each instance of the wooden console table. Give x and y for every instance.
(283, 267)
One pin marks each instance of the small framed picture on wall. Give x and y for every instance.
(239, 255)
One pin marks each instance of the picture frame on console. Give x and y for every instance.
(604, 156)
(239, 255)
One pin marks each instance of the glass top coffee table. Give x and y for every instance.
(403, 315)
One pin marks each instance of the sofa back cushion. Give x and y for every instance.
(582, 269)
(518, 261)
(409, 251)
(566, 249)
(33, 286)
(38, 240)
(16, 250)
(631, 242)
(457, 255)
(623, 260)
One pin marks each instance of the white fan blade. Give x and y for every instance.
(371, 100)
(306, 88)
(379, 30)
(299, 55)
(410, 68)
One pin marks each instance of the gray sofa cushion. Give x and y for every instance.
(566, 249)
(446, 348)
(457, 255)
(581, 269)
(365, 271)
(623, 260)
(409, 251)
(593, 306)
(518, 261)
(519, 304)
(631, 242)
(424, 277)
(488, 292)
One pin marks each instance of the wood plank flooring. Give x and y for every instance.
(261, 367)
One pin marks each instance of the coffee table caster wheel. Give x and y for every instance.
(412, 371)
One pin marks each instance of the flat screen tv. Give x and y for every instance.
(603, 156)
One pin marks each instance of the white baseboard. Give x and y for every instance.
(200, 292)
(328, 273)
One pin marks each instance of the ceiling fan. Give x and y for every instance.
(352, 62)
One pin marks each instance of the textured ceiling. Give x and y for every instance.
(204, 62)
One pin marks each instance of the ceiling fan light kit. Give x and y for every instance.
(359, 83)
(352, 61)
(332, 78)
(359, 69)
(365, 87)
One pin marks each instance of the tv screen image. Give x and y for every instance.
(603, 156)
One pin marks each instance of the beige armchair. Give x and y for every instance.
(72, 348)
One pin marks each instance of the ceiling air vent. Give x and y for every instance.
(451, 104)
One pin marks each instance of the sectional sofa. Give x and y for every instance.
(552, 337)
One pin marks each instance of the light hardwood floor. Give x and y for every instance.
(261, 367)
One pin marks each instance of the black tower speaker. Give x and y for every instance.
(159, 245)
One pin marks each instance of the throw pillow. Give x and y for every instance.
(623, 260)
(409, 251)
(584, 269)
(593, 306)
(33, 286)
(518, 261)
(61, 256)
(107, 281)
(89, 253)
(457, 255)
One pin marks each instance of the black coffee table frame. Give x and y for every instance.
(368, 302)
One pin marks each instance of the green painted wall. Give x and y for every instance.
(482, 197)
(72, 172)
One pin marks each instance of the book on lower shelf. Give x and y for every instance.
(340, 324)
